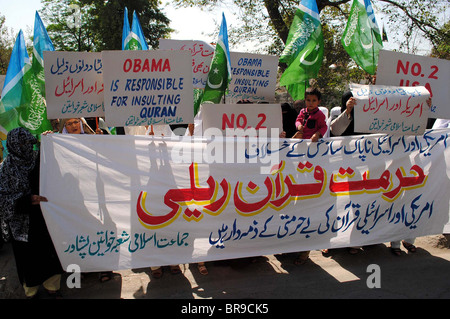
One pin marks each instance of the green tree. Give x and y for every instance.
(96, 25)
(416, 18)
(69, 25)
(442, 50)
(265, 24)
(6, 45)
(269, 20)
(109, 21)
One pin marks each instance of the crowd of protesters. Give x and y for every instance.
(21, 217)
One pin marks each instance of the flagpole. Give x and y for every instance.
(373, 48)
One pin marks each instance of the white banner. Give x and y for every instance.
(148, 87)
(390, 109)
(122, 202)
(402, 69)
(74, 84)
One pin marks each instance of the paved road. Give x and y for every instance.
(425, 274)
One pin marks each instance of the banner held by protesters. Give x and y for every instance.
(176, 201)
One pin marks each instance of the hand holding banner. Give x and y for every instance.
(390, 109)
(171, 201)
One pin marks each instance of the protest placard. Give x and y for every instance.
(148, 87)
(242, 119)
(390, 109)
(156, 206)
(201, 52)
(73, 84)
(401, 69)
(253, 77)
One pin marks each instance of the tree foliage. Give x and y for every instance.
(6, 45)
(69, 25)
(442, 50)
(109, 21)
(416, 18)
(96, 25)
(265, 24)
(270, 20)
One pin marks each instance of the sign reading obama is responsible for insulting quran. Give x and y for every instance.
(148, 87)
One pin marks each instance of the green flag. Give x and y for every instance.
(135, 39)
(12, 98)
(304, 49)
(220, 71)
(41, 43)
(23, 97)
(297, 90)
(35, 120)
(198, 95)
(361, 38)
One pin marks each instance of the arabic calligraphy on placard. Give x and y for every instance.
(274, 196)
(386, 109)
(74, 84)
(70, 86)
(355, 218)
(362, 148)
(279, 191)
(109, 242)
(64, 65)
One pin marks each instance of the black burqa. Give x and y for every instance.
(35, 255)
(289, 117)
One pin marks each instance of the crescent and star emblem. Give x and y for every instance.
(306, 62)
(370, 45)
(215, 86)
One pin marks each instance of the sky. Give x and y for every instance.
(189, 23)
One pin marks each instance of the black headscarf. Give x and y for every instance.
(15, 181)
(289, 117)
